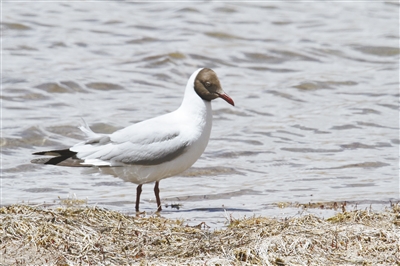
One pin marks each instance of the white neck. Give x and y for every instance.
(197, 111)
(192, 101)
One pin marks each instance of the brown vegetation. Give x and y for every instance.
(92, 236)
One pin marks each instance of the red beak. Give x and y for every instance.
(226, 97)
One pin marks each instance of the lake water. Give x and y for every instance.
(316, 88)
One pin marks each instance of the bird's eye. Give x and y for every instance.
(208, 84)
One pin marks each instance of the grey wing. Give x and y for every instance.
(157, 149)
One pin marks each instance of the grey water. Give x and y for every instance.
(316, 88)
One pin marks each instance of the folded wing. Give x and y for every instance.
(139, 144)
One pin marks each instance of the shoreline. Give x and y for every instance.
(76, 235)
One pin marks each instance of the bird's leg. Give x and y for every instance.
(157, 193)
(138, 192)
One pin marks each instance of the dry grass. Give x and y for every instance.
(76, 235)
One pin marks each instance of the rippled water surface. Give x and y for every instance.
(316, 88)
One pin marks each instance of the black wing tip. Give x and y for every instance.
(64, 152)
(39, 153)
(59, 156)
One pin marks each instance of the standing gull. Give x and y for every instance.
(153, 149)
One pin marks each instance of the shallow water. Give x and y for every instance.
(316, 88)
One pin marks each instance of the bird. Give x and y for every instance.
(153, 149)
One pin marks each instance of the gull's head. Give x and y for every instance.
(207, 86)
